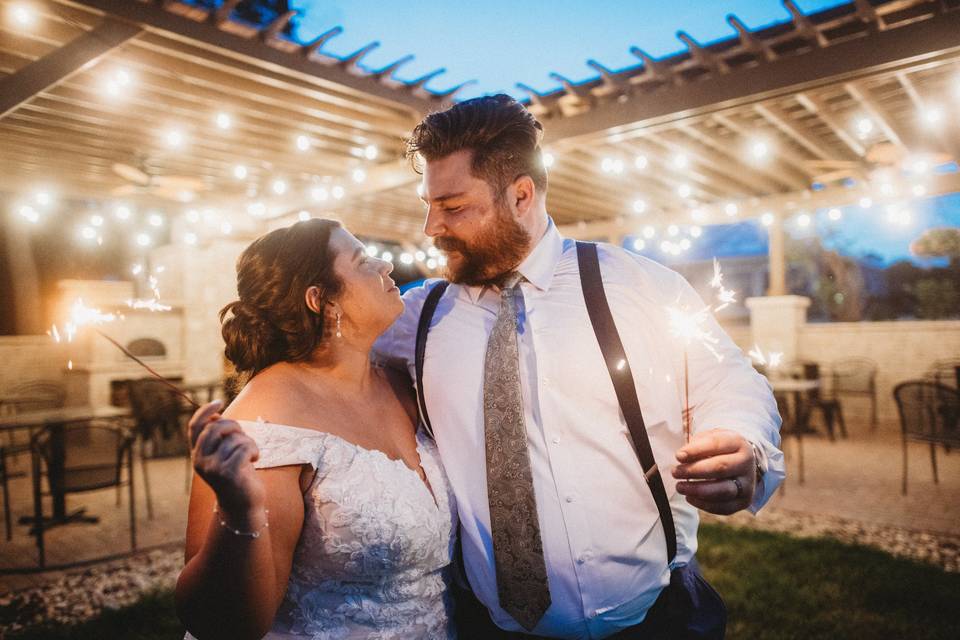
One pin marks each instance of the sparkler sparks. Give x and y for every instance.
(772, 359)
(690, 326)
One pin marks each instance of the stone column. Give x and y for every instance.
(776, 323)
(778, 257)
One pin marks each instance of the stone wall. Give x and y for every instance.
(903, 350)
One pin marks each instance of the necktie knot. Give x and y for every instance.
(509, 282)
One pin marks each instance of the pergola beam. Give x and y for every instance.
(156, 18)
(887, 50)
(782, 204)
(48, 71)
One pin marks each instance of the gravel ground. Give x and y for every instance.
(938, 549)
(84, 593)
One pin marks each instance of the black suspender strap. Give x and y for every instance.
(426, 315)
(622, 378)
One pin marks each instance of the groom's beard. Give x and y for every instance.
(494, 251)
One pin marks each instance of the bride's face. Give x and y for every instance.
(370, 301)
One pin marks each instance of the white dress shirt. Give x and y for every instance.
(603, 542)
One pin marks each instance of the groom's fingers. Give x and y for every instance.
(722, 466)
(710, 443)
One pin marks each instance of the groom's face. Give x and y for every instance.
(476, 228)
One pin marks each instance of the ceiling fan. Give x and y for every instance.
(882, 156)
(144, 181)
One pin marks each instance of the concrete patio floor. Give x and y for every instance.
(856, 479)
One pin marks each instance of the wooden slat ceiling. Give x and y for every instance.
(696, 165)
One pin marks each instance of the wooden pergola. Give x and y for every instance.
(835, 108)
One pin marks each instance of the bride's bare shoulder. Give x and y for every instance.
(274, 394)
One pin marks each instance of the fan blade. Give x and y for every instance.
(126, 190)
(179, 182)
(131, 173)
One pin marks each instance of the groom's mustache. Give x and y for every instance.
(451, 244)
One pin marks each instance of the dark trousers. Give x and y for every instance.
(687, 609)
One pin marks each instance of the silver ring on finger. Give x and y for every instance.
(736, 481)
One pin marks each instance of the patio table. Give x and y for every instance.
(797, 413)
(57, 418)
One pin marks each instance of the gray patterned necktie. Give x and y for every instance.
(517, 548)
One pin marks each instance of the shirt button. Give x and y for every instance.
(556, 441)
(581, 559)
(546, 382)
(569, 498)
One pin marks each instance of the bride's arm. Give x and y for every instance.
(232, 585)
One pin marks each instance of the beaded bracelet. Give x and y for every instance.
(237, 532)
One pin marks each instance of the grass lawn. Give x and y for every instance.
(776, 588)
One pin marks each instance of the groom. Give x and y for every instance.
(565, 533)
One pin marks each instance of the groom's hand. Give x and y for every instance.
(717, 471)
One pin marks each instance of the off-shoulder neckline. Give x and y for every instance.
(326, 434)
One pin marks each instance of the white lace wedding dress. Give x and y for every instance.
(372, 560)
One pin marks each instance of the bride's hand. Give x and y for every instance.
(223, 455)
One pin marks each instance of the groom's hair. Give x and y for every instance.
(503, 135)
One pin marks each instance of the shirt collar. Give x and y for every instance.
(538, 267)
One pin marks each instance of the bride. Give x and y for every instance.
(320, 511)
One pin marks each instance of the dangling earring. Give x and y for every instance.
(339, 335)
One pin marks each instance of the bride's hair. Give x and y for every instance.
(271, 321)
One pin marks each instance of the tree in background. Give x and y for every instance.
(938, 243)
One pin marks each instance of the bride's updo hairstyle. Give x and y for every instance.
(271, 321)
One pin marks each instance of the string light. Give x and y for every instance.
(370, 152)
(372, 250)
(319, 194)
(303, 216)
(641, 162)
(420, 256)
(303, 143)
(96, 220)
(681, 161)
(865, 202)
(226, 228)
(431, 263)
(639, 205)
(673, 230)
(256, 209)
(548, 159)
(223, 120)
(359, 175)
(136, 269)
(731, 209)
(611, 165)
(143, 240)
(337, 192)
(759, 150)
(919, 190)
(442, 261)
(932, 116)
(240, 172)
(684, 191)
(122, 212)
(386, 255)
(766, 219)
(864, 127)
(23, 15)
(406, 258)
(174, 138)
(192, 216)
(696, 231)
(155, 220)
(803, 220)
(43, 198)
(29, 214)
(116, 82)
(279, 187)
(685, 244)
(649, 232)
(432, 251)
(639, 244)
(834, 214)
(190, 238)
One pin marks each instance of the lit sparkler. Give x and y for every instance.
(82, 315)
(772, 359)
(690, 326)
